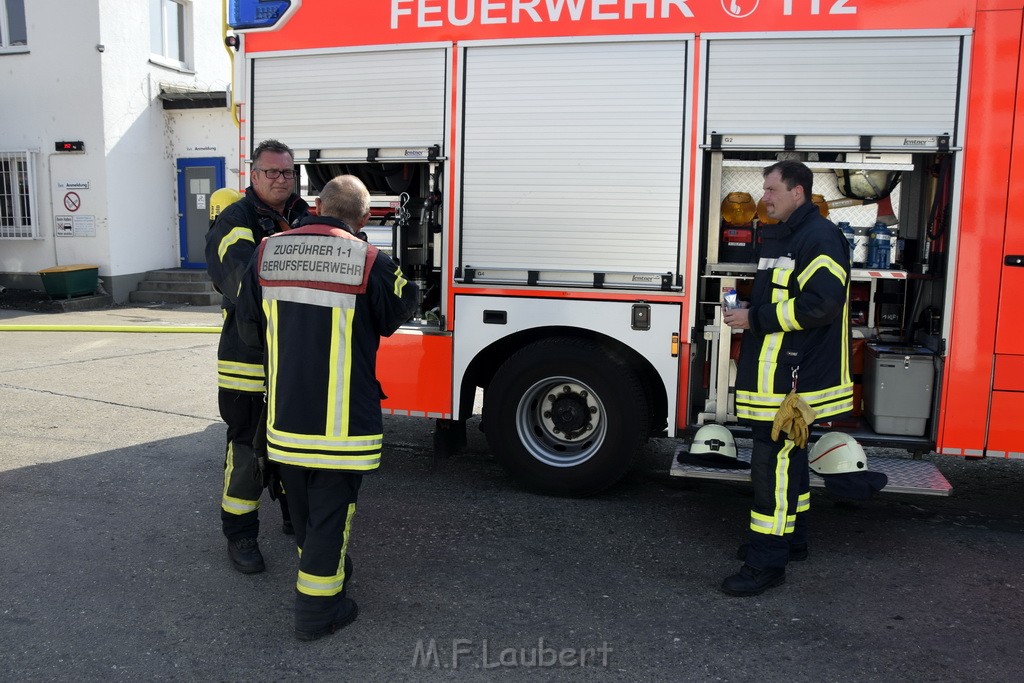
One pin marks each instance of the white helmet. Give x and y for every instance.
(837, 453)
(713, 439)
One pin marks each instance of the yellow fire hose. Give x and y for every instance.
(193, 329)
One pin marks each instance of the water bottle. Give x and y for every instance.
(850, 235)
(879, 246)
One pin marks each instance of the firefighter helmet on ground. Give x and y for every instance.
(837, 453)
(713, 439)
(222, 199)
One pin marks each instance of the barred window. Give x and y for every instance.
(17, 195)
(13, 30)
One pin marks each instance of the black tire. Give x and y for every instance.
(591, 438)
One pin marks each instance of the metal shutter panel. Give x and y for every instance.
(350, 99)
(896, 85)
(572, 157)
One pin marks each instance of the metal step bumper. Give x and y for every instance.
(905, 475)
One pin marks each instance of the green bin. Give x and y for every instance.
(64, 282)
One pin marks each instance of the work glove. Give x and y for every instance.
(794, 417)
(264, 471)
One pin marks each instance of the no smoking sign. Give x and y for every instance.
(72, 201)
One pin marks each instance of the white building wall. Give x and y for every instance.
(144, 142)
(67, 88)
(51, 93)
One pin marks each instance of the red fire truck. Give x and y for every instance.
(574, 183)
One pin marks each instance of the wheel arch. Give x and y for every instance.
(485, 364)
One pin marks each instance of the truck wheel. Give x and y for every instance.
(565, 416)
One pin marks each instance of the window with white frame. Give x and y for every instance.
(17, 195)
(13, 30)
(169, 32)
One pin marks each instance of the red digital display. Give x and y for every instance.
(70, 146)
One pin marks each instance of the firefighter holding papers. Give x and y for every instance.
(794, 368)
(317, 300)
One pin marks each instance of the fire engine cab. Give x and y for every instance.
(575, 186)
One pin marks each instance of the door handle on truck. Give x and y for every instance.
(1014, 260)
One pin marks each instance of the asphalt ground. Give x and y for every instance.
(113, 567)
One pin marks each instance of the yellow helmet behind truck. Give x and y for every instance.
(222, 199)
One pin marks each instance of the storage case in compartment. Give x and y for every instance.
(898, 384)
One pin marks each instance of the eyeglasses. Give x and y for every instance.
(274, 173)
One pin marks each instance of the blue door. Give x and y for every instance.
(197, 179)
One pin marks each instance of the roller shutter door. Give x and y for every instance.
(864, 86)
(351, 100)
(572, 161)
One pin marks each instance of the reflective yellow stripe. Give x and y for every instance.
(270, 314)
(762, 405)
(239, 506)
(758, 415)
(337, 384)
(400, 282)
(236, 384)
(781, 487)
(767, 361)
(786, 313)
(327, 462)
(763, 524)
(240, 376)
(238, 368)
(780, 276)
(346, 394)
(230, 504)
(817, 264)
(311, 584)
(844, 363)
(325, 442)
(781, 521)
(236, 235)
(803, 503)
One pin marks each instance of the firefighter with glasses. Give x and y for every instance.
(269, 206)
(794, 368)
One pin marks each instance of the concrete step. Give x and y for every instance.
(154, 296)
(178, 275)
(176, 286)
(184, 286)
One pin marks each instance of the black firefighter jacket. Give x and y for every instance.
(799, 320)
(230, 244)
(318, 299)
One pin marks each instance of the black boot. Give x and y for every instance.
(749, 581)
(246, 556)
(345, 612)
(797, 553)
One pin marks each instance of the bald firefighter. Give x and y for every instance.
(317, 300)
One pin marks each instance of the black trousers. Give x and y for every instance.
(778, 517)
(322, 504)
(240, 495)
